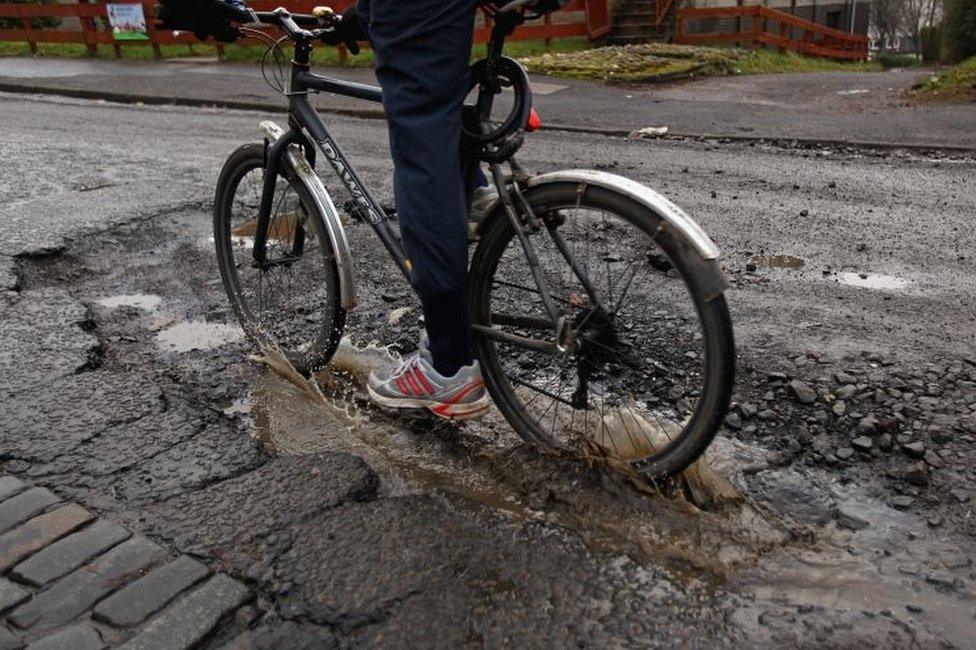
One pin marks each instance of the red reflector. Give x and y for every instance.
(534, 122)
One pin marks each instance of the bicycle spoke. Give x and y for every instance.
(619, 355)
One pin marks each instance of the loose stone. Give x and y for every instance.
(802, 392)
(914, 449)
(867, 426)
(901, 502)
(847, 518)
(962, 496)
(846, 392)
(845, 453)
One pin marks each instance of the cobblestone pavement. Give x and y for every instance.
(72, 580)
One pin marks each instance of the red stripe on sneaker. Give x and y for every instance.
(401, 386)
(445, 406)
(414, 385)
(423, 380)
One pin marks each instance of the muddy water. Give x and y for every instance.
(747, 546)
(894, 565)
(197, 335)
(485, 465)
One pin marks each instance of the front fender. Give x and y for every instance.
(333, 223)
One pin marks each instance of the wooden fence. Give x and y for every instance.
(758, 25)
(586, 18)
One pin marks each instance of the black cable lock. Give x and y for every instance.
(491, 142)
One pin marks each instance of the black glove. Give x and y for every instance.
(204, 18)
(348, 31)
(546, 6)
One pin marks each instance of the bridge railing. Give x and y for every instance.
(87, 24)
(758, 25)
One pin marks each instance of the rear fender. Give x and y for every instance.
(674, 222)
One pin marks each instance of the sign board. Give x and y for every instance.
(128, 22)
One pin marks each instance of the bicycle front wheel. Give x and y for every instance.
(648, 376)
(293, 300)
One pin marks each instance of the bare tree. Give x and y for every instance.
(915, 15)
(887, 17)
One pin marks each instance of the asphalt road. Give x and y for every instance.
(827, 107)
(444, 538)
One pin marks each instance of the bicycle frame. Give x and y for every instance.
(304, 119)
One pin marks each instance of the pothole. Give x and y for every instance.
(485, 464)
(196, 335)
(873, 281)
(143, 301)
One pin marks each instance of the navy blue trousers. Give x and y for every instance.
(422, 53)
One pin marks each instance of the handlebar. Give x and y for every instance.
(295, 24)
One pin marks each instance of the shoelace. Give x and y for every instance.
(409, 378)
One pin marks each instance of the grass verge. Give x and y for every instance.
(323, 55)
(957, 83)
(662, 61)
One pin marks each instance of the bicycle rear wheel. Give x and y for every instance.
(649, 377)
(294, 302)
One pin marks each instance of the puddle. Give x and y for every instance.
(485, 464)
(886, 566)
(873, 281)
(778, 261)
(144, 301)
(854, 91)
(197, 335)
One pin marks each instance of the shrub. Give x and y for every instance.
(893, 60)
(36, 23)
(959, 29)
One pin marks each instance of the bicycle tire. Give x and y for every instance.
(324, 342)
(710, 306)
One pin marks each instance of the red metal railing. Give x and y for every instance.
(758, 25)
(587, 18)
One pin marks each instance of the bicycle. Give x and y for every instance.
(558, 312)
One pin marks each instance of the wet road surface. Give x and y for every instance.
(830, 106)
(127, 387)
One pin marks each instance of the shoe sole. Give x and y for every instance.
(405, 405)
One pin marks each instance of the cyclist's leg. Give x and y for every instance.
(423, 49)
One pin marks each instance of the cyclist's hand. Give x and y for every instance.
(545, 6)
(348, 31)
(204, 18)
